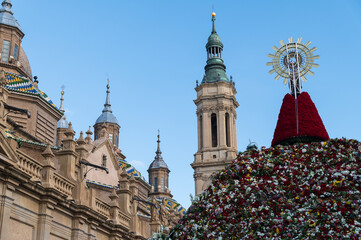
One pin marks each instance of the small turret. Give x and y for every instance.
(111, 123)
(159, 174)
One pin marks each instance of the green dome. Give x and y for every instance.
(215, 70)
(214, 40)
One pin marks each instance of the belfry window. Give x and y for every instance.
(16, 51)
(227, 130)
(214, 129)
(155, 184)
(111, 137)
(5, 51)
(162, 189)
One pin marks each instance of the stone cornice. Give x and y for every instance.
(203, 85)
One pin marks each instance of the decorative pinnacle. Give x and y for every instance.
(107, 100)
(158, 152)
(213, 20)
(6, 6)
(62, 100)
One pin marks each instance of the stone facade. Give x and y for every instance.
(55, 187)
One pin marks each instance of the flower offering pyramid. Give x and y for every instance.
(310, 125)
(302, 191)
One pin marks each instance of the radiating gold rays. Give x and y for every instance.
(301, 55)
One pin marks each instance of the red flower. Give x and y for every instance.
(310, 125)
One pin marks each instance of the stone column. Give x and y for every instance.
(44, 221)
(198, 182)
(199, 126)
(77, 232)
(6, 201)
(47, 172)
(134, 210)
(67, 156)
(92, 230)
(124, 193)
(114, 207)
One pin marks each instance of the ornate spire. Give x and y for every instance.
(107, 115)
(158, 160)
(62, 123)
(213, 20)
(215, 68)
(61, 109)
(158, 152)
(107, 106)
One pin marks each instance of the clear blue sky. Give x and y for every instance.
(154, 51)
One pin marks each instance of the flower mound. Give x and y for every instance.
(304, 191)
(310, 125)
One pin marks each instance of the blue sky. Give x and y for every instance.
(154, 51)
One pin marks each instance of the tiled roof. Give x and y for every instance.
(21, 140)
(170, 203)
(131, 170)
(18, 83)
(101, 184)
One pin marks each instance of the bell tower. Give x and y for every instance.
(216, 116)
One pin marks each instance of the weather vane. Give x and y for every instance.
(292, 61)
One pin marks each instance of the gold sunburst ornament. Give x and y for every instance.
(292, 61)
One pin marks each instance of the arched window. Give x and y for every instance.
(5, 51)
(227, 130)
(111, 138)
(162, 189)
(155, 184)
(214, 129)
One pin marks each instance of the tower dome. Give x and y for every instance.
(107, 115)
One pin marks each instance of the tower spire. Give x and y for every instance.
(158, 152)
(107, 106)
(62, 123)
(62, 100)
(215, 70)
(213, 24)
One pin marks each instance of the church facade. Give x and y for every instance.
(55, 186)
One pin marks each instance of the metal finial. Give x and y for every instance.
(213, 24)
